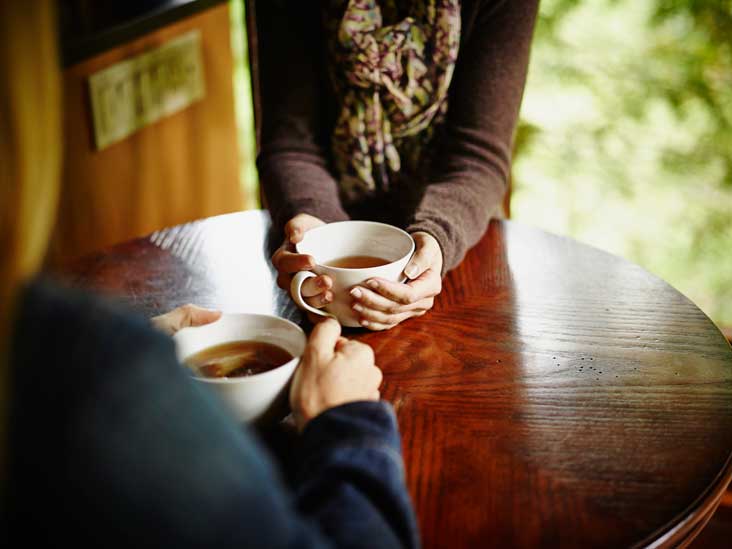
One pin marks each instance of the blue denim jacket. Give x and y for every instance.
(111, 444)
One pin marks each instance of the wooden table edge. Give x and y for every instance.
(687, 525)
(677, 532)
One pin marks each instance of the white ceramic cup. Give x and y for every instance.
(351, 238)
(251, 398)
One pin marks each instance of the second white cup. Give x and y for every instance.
(354, 243)
(257, 398)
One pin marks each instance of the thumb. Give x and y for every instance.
(197, 316)
(293, 231)
(421, 259)
(323, 339)
(184, 317)
(296, 227)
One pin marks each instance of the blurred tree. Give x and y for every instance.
(244, 107)
(626, 136)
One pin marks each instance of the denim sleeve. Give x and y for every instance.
(351, 477)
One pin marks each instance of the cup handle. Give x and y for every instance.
(296, 293)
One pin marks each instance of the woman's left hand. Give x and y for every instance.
(381, 304)
(184, 317)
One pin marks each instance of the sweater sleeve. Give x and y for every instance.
(469, 175)
(292, 163)
(351, 477)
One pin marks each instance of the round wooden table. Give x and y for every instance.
(555, 395)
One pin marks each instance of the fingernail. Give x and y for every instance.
(372, 284)
(365, 323)
(411, 271)
(327, 298)
(356, 293)
(357, 307)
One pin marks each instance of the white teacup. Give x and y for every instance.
(334, 241)
(260, 396)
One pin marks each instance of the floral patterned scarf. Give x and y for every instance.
(391, 74)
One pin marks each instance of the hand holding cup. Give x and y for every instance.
(333, 371)
(382, 304)
(316, 291)
(349, 253)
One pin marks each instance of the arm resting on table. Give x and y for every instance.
(471, 169)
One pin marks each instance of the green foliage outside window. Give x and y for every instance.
(244, 109)
(626, 137)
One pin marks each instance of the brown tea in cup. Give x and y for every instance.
(357, 262)
(237, 359)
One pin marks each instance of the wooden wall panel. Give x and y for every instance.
(180, 168)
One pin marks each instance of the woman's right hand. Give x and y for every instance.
(316, 290)
(333, 371)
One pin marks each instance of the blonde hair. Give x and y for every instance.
(30, 152)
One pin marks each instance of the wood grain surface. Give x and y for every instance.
(556, 395)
